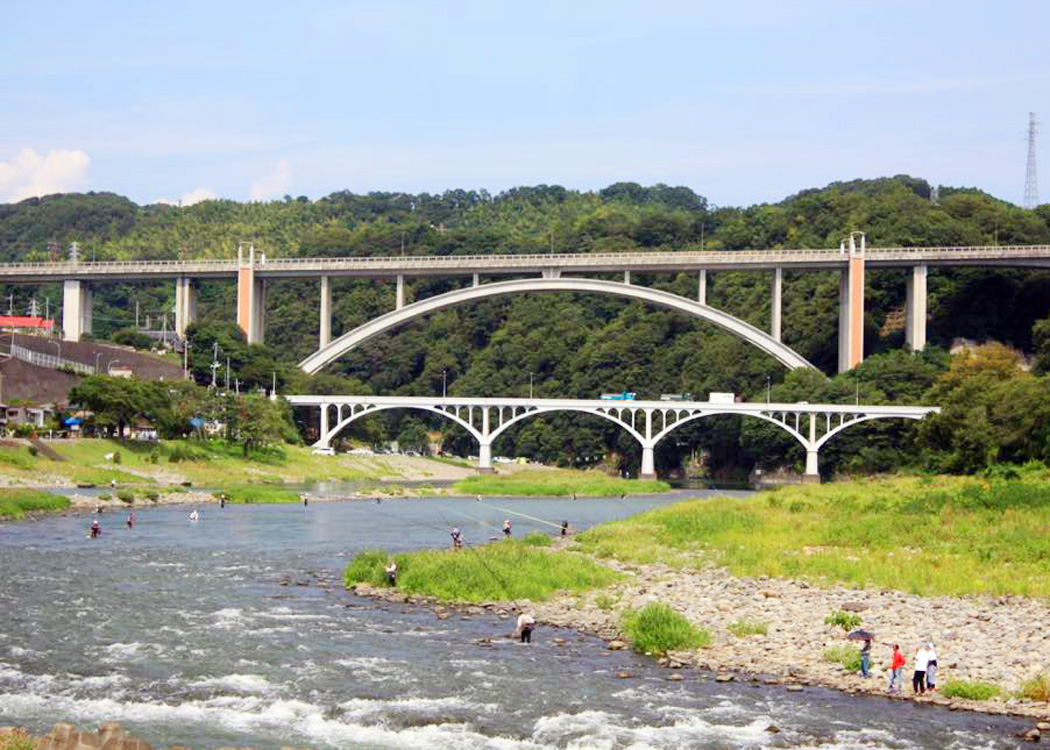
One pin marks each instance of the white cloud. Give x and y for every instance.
(190, 198)
(29, 174)
(273, 185)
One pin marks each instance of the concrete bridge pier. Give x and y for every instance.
(324, 335)
(400, 299)
(76, 309)
(701, 287)
(812, 475)
(185, 304)
(915, 327)
(485, 458)
(851, 306)
(648, 464)
(776, 307)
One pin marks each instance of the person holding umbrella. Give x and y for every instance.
(865, 652)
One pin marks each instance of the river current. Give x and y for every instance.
(235, 631)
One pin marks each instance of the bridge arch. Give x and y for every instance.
(355, 414)
(759, 338)
(549, 410)
(668, 429)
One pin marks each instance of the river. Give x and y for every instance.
(236, 631)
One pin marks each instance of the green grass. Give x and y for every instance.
(974, 691)
(657, 629)
(744, 628)
(847, 656)
(557, 482)
(508, 570)
(537, 539)
(208, 463)
(924, 535)
(258, 493)
(1036, 688)
(15, 504)
(846, 620)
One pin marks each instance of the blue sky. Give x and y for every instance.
(744, 102)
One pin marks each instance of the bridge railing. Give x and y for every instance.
(530, 260)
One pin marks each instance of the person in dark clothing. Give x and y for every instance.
(564, 528)
(506, 528)
(96, 529)
(865, 659)
(526, 623)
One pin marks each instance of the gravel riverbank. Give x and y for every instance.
(1002, 640)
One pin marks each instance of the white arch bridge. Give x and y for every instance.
(649, 422)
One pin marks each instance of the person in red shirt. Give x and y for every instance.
(897, 669)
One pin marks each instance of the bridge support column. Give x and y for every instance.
(485, 459)
(324, 336)
(776, 307)
(185, 305)
(257, 331)
(915, 328)
(648, 463)
(812, 475)
(399, 300)
(648, 470)
(476, 281)
(76, 309)
(251, 297)
(322, 438)
(552, 273)
(851, 307)
(626, 277)
(701, 287)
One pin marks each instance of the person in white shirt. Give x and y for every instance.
(931, 667)
(918, 679)
(526, 623)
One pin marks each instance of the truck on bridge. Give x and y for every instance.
(621, 396)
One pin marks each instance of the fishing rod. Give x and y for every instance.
(523, 515)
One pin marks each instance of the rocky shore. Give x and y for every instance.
(1002, 640)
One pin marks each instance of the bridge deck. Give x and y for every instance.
(461, 265)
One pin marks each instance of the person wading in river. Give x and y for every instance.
(526, 623)
(457, 538)
(391, 573)
(506, 528)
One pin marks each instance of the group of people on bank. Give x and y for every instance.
(924, 667)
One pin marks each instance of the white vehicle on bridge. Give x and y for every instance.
(676, 396)
(621, 396)
(721, 398)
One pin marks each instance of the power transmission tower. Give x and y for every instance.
(1031, 185)
(34, 308)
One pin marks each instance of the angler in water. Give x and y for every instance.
(195, 516)
(131, 519)
(506, 528)
(96, 529)
(457, 538)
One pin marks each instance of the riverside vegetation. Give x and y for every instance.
(557, 483)
(14, 504)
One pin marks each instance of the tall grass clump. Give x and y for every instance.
(14, 504)
(1036, 688)
(847, 656)
(258, 493)
(744, 628)
(927, 535)
(537, 539)
(657, 629)
(972, 691)
(508, 570)
(560, 483)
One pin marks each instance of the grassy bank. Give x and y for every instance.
(255, 493)
(925, 535)
(210, 463)
(502, 571)
(557, 482)
(14, 504)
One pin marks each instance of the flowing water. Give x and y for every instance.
(234, 630)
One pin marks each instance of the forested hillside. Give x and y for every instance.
(572, 345)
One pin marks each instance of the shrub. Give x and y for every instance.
(105, 496)
(1036, 688)
(657, 629)
(846, 620)
(604, 601)
(126, 496)
(24, 430)
(132, 337)
(32, 450)
(18, 739)
(153, 496)
(116, 457)
(185, 453)
(847, 656)
(154, 456)
(973, 691)
(744, 628)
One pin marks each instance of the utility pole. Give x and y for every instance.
(1031, 185)
(214, 362)
(11, 304)
(227, 373)
(136, 315)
